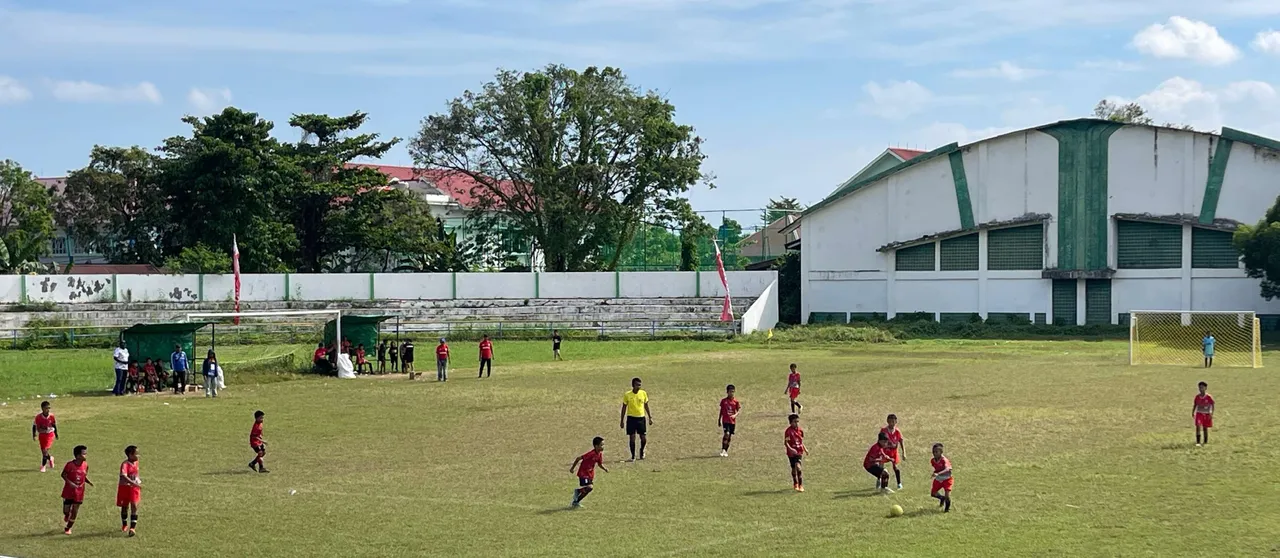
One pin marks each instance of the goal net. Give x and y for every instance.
(274, 340)
(1172, 337)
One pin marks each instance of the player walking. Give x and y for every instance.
(442, 361)
(942, 480)
(1202, 412)
(1208, 343)
(636, 416)
(555, 344)
(75, 475)
(406, 358)
(44, 429)
(486, 356)
(129, 491)
(587, 471)
(729, 407)
(793, 440)
(258, 444)
(894, 450)
(793, 389)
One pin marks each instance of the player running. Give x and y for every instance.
(874, 462)
(636, 417)
(75, 475)
(1208, 343)
(44, 429)
(793, 389)
(942, 480)
(259, 445)
(793, 440)
(1202, 412)
(729, 407)
(894, 450)
(587, 471)
(129, 491)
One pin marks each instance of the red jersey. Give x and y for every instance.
(320, 354)
(895, 437)
(940, 465)
(793, 380)
(1204, 403)
(255, 434)
(729, 410)
(587, 469)
(149, 370)
(129, 470)
(793, 438)
(73, 483)
(442, 352)
(45, 424)
(875, 456)
(486, 349)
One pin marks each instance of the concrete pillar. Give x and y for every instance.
(982, 274)
(1186, 267)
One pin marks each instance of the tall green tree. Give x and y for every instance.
(779, 208)
(26, 219)
(115, 203)
(575, 161)
(1259, 248)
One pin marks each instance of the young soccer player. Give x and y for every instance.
(1208, 343)
(729, 407)
(406, 358)
(587, 471)
(555, 344)
(382, 357)
(942, 481)
(44, 429)
(894, 450)
(442, 361)
(486, 356)
(793, 389)
(874, 462)
(75, 475)
(1202, 412)
(259, 445)
(793, 440)
(129, 491)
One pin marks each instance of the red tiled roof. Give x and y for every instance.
(108, 269)
(455, 184)
(907, 154)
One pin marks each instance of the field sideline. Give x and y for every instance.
(1059, 448)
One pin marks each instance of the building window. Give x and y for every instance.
(59, 246)
(960, 253)
(915, 258)
(1142, 245)
(1097, 301)
(1213, 250)
(1016, 248)
(1064, 302)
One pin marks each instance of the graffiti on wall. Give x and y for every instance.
(76, 287)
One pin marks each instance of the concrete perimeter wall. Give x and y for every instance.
(74, 289)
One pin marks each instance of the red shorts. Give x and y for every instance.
(1204, 419)
(126, 495)
(893, 454)
(795, 393)
(46, 441)
(73, 494)
(939, 485)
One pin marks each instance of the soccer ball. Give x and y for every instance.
(895, 511)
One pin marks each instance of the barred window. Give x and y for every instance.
(1064, 302)
(915, 258)
(1016, 248)
(1097, 301)
(1142, 245)
(1213, 250)
(960, 253)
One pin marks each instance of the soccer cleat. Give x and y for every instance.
(724, 453)
(263, 470)
(66, 531)
(42, 468)
(800, 488)
(124, 528)
(899, 486)
(1198, 444)
(132, 532)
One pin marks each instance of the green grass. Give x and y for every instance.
(1059, 448)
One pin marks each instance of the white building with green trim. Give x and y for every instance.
(1075, 222)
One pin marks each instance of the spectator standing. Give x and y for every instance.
(486, 357)
(211, 375)
(406, 357)
(394, 351)
(442, 361)
(121, 357)
(179, 364)
(382, 357)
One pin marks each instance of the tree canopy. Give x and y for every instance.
(26, 219)
(1259, 247)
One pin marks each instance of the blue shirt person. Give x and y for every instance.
(178, 363)
(1208, 343)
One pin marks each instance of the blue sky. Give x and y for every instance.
(792, 96)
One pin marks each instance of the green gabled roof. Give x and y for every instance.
(1245, 137)
(850, 186)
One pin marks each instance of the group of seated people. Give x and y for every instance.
(325, 358)
(150, 378)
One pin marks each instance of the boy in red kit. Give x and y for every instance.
(44, 429)
(793, 439)
(729, 407)
(486, 357)
(894, 450)
(793, 389)
(942, 481)
(129, 491)
(875, 460)
(1202, 412)
(75, 474)
(587, 471)
(258, 444)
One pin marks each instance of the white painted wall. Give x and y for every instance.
(1005, 293)
(1128, 295)
(848, 292)
(1157, 171)
(158, 288)
(487, 285)
(1251, 184)
(578, 285)
(10, 288)
(922, 201)
(1012, 175)
(69, 288)
(912, 294)
(1237, 293)
(680, 284)
(413, 286)
(329, 286)
(253, 288)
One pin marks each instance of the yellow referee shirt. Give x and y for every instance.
(635, 403)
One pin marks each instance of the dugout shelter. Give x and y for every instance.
(156, 341)
(361, 330)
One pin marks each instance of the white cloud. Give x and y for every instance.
(1025, 113)
(1109, 65)
(1268, 42)
(896, 99)
(12, 91)
(1186, 39)
(89, 92)
(1184, 101)
(208, 100)
(1004, 70)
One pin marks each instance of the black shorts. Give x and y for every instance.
(583, 481)
(876, 471)
(260, 448)
(637, 425)
(795, 459)
(729, 428)
(66, 502)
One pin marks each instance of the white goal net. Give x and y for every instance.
(1186, 338)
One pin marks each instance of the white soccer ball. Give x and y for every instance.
(292, 492)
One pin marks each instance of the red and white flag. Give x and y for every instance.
(726, 312)
(235, 269)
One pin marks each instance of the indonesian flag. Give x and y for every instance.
(235, 269)
(726, 312)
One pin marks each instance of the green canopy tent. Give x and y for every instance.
(156, 341)
(361, 330)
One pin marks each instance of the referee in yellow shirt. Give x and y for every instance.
(636, 416)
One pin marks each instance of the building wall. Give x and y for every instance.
(1154, 171)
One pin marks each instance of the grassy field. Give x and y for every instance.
(1059, 448)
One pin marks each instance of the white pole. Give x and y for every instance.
(338, 331)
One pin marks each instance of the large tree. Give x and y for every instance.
(1259, 247)
(779, 208)
(26, 219)
(115, 203)
(576, 161)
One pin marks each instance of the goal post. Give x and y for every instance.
(1177, 337)
(335, 315)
